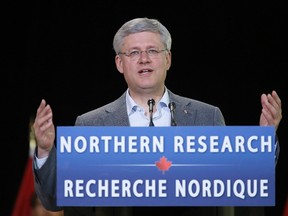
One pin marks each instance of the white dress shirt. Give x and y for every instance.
(137, 117)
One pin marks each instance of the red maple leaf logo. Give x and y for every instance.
(163, 164)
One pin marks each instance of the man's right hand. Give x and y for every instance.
(44, 129)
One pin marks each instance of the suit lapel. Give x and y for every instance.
(184, 114)
(118, 112)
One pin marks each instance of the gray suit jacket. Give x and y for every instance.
(188, 112)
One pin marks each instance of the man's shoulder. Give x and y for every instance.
(109, 107)
(105, 114)
(187, 101)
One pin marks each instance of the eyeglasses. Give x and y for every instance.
(135, 54)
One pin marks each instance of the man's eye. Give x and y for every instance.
(134, 53)
(152, 51)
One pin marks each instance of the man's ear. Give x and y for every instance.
(119, 63)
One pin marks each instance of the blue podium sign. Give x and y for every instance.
(166, 166)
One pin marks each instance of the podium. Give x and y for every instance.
(166, 166)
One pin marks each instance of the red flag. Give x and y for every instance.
(22, 206)
(285, 212)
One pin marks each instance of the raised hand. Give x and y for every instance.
(44, 129)
(271, 113)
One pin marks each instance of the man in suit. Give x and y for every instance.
(143, 56)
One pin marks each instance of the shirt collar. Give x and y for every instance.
(132, 106)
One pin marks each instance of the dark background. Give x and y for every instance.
(226, 54)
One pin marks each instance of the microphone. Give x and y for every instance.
(172, 107)
(151, 103)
